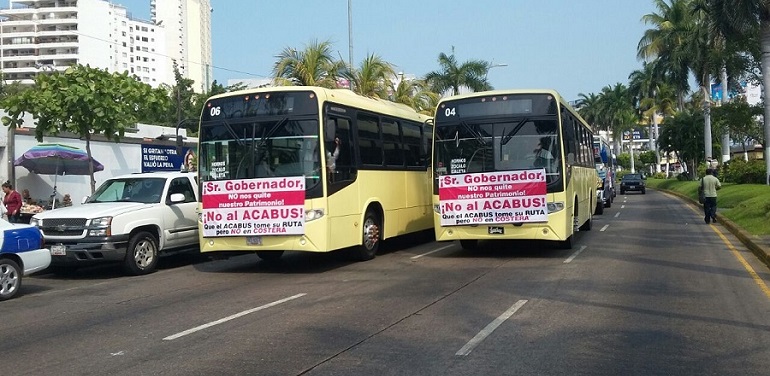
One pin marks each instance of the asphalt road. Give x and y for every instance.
(651, 290)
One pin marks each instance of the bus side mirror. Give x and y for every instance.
(179, 144)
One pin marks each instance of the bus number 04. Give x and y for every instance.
(215, 111)
(450, 112)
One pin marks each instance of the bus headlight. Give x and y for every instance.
(554, 207)
(313, 214)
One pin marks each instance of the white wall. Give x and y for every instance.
(118, 159)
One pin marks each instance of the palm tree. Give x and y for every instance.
(615, 108)
(643, 86)
(314, 66)
(667, 43)
(588, 109)
(374, 78)
(417, 95)
(452, 76)
(741, 20)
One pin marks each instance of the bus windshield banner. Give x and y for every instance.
(247, 207)
(493, 197)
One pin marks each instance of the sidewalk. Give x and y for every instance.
(759, 245)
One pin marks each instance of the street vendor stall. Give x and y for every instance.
(56, 159)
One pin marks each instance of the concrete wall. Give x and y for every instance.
(118, 159)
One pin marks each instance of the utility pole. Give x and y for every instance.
(350, 34)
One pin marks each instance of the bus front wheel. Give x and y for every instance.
(370, 241)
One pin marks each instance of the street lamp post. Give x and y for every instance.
(493, 65)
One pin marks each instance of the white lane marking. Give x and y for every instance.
(433, 251)
(617, 214)
(489, 329)
(604, 228)
(569, 259)
(622, 206)
(228, 318)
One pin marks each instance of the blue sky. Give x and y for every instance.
(571, 46)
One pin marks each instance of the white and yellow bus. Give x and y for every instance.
(310, 169)
(513, 164)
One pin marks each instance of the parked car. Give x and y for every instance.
(21, 253)
(632, 182)
(130, 219)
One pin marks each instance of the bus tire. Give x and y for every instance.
(567, 243)
(270, 256)
(469, 244)
(370, 240)
(586, 226)
(142, 254)
(10, 278)
(599, 208)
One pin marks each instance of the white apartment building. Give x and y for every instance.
(188, 36)
(37, 36)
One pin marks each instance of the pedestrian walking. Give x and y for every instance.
(710, 185)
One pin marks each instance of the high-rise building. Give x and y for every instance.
(188, 36)
(37, 36)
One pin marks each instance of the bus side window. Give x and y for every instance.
(345, 167)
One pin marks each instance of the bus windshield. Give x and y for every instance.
(260, 148)
(513, 143)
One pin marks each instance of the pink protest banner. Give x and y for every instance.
(493, 197)
(248, 207)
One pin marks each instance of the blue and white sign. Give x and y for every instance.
(162, 158)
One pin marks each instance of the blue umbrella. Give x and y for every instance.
(57, 159)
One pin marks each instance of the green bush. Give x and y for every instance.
(659, 175)
(739, 171)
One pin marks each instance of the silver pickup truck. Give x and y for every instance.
(130, 219)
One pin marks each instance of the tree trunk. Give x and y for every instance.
(707, 143)
(764, 26)
(90, 164)
(655, 142)
(726, 136)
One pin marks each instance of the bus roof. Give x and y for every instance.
(341, 96)
(503, 92)
(487, 93)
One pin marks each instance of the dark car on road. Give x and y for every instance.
(632, 182)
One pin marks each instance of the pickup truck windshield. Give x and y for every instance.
(145, 190)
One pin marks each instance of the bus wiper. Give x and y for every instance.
(232, 133)
(508, 136)
(265, 136)
(478, 137)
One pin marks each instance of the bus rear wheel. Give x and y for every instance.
(370, 241)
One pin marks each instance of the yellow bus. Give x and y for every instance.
(310, 169)
(512, 164)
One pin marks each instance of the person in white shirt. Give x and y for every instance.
(331, 157)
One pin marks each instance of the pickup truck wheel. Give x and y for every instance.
(142, 254)
(10, 279)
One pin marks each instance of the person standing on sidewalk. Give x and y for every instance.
(710, 186)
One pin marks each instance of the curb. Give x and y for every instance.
(762, 252)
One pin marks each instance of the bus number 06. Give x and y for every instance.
(215, 111)
(450, 112)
